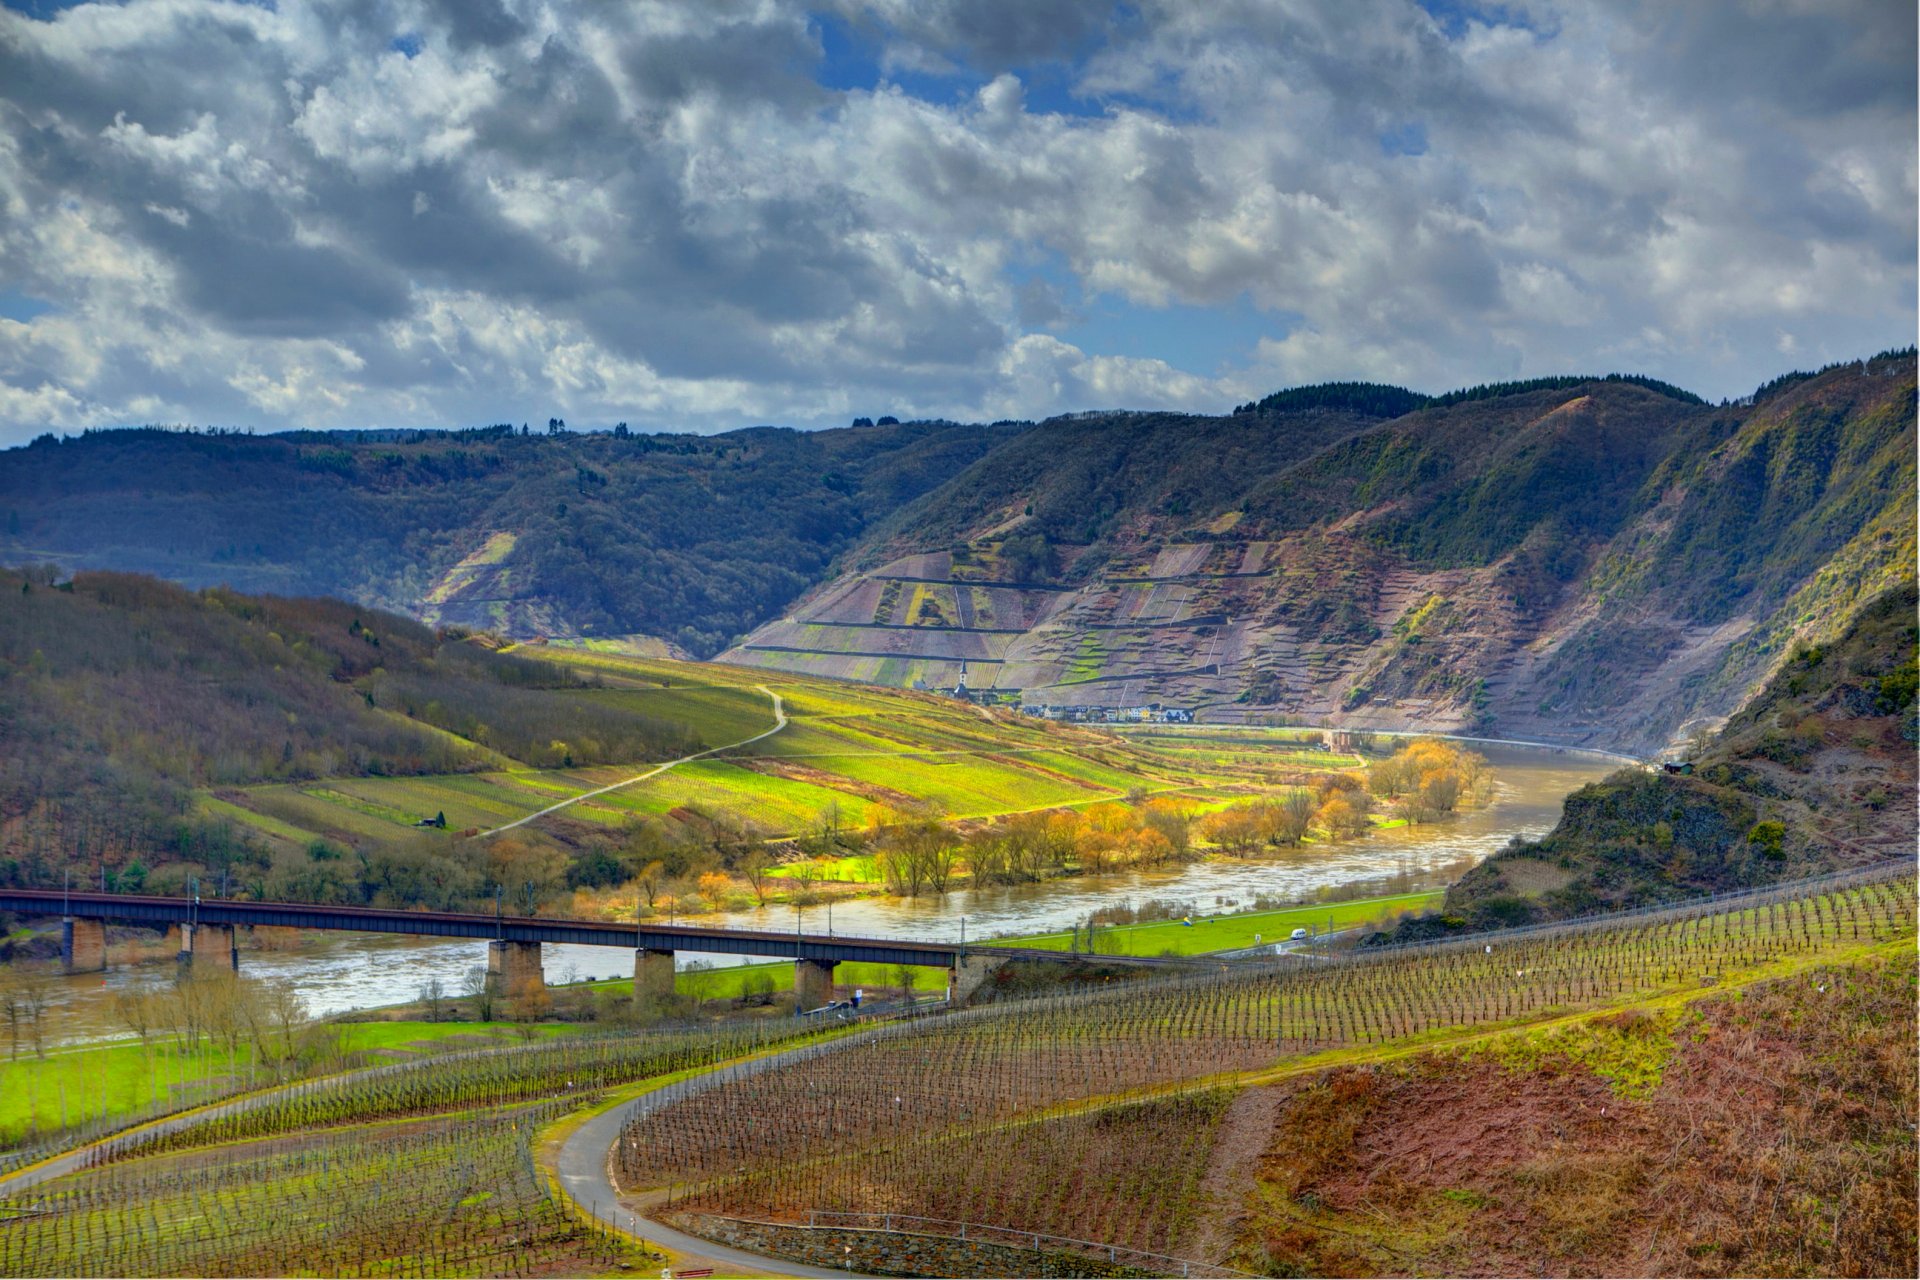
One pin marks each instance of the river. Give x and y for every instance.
(339, 973)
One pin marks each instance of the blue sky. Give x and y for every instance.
(698, 216)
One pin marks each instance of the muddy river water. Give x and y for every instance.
(336, 973)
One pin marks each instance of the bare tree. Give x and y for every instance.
(135, 1011)
(754, 864)
(476, 987)
(33, 997)
(433, 993)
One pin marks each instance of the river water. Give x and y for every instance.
(338, 973)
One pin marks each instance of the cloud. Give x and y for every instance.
(435, 212)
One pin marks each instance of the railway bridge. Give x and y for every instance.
(206, 928)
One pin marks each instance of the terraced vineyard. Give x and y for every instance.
(990, 1116)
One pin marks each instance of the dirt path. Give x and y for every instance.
(1244, 1134)
(779, 723)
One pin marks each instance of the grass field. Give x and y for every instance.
(846, 747)
(1227, 933)
(126, 1078)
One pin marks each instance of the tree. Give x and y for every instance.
(477, 987)
(754, 865)
(652, 879)
(433, 993)
(134, 1010)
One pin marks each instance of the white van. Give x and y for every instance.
(1299, 934)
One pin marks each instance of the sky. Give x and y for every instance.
(709, 214)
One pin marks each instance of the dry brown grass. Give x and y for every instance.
(1780, 1141)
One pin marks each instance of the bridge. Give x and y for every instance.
(206, 928)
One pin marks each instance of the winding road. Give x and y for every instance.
(584, 1165)
(779, 723)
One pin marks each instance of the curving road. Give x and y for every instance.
(584, 1166)
(779, 723)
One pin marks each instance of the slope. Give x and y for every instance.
(1816, 773)
(1603, 561)
(682, 539)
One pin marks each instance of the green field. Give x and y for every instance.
(126, 1078)
(1227, 933)
(846, 747)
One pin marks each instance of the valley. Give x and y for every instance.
(1395, 674)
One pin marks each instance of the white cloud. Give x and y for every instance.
(654, 213)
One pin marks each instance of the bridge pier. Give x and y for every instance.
(515, 976)
(968, 974)
(208, 947)
(83, 945)
(812, 983)
(652, 975)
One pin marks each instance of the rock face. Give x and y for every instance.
(1606, 564)
(1815, 774)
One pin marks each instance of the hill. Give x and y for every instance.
(670, 540)
(126, 702)
(1606, 561)
(1697, 1091)
(294, 748)
(1599, 561)
(1815, 774)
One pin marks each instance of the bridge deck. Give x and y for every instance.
(162, 911)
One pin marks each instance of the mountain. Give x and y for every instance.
(668, 541)
(1601, 561)
(1604, 561)
(1816, 773)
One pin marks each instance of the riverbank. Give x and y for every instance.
(77, 1084)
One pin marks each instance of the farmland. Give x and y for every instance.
(1096, 1109)
(418, 1168)
(1122, 1117)
(847, 752)
(127, 1078)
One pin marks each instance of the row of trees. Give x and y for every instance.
(711, 861)
(1422, 782)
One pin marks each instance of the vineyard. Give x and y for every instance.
(421, 1168)
(1093, 1117)
(1056, 1115)
(450, 1196)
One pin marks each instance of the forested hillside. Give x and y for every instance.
(1606, 561)
(121, 696)
(679, 539)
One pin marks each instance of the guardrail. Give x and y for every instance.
(1712, 904)
(906, 1224)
